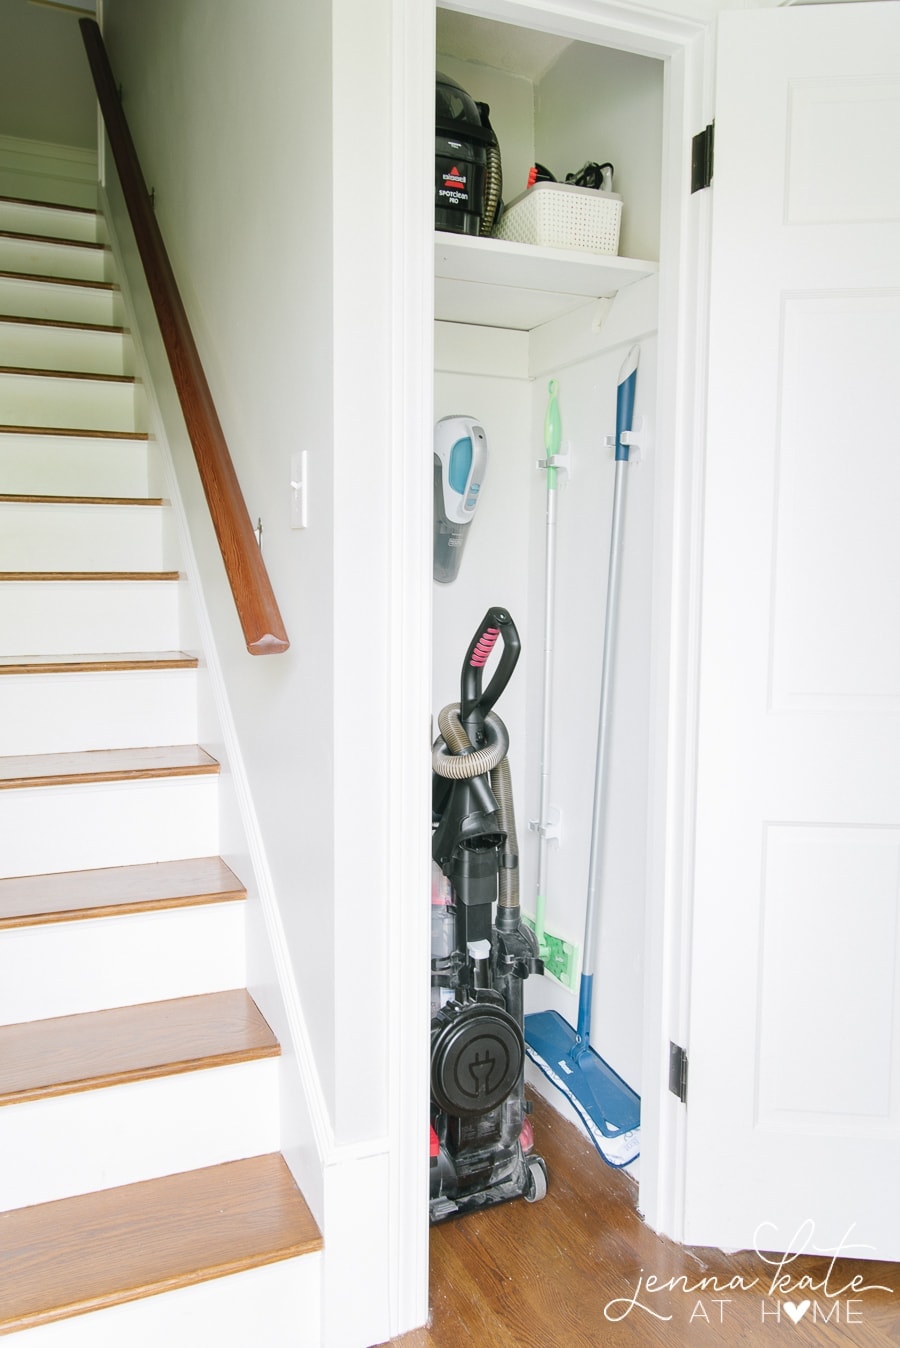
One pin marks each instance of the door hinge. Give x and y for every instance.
(702, 158)
(678, 1072)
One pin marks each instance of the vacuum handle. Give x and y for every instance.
(475, 703)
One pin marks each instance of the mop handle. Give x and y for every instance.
(624, 414)
(552, 440)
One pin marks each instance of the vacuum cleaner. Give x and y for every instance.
(460, 463)
(482, 1148)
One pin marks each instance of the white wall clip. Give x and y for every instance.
(562, 462)
(635, 439)
(549, 831)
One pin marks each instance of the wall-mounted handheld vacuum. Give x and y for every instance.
(460, 462)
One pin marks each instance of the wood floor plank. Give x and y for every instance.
(111, 662)
(561, 1274)
(105, 765)
(121, 1244)
(33, 900)
(45, 1058)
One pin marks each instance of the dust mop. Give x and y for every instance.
(608, 1107)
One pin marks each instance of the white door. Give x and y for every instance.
(793, 1113)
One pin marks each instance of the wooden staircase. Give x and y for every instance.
(139, 1094)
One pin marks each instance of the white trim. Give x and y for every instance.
(680, 42)
(35, 169)
(676, 632)
(408, 779)
(78, 160)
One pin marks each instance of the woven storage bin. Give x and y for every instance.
(560, 215)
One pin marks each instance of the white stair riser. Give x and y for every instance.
(74, 828)
(98, 1139)
(93, 404)
(52, 617)
(24, 217)
(36, 258)
(65, 968)
(69, 303)
(59, 465)
(39, 346)
(70, 537)
(63, 713)
(277, 1306)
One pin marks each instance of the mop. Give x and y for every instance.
(608, 1107)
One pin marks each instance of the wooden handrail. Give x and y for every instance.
(255, 602)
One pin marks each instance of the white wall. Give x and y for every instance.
(602, 105)
(46, 92)
(302, 282)
(230, 109)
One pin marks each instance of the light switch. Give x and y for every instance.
(298, 490)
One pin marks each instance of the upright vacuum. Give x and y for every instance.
(481, 1140)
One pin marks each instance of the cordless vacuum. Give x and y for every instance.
(481, 1141)
(460, 463)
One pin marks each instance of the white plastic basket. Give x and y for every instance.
(560, 215)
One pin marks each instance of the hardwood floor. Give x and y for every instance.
(560, 1272)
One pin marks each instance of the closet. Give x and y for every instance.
(752, 831)
(509, 319)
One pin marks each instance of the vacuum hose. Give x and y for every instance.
(454, 757)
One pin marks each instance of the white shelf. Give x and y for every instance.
(493, 283)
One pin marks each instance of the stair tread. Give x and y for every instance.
(118, 1245)
(30, 498)
(68, 324)
(105, 765)
(44, 1058)
(99, 376)
(89, 575)
(54, 240)
(50, 205)
(41, 279)
(32, 900)
(74, 431)
(110, 661)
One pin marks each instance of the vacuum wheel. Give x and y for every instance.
(536, 1185)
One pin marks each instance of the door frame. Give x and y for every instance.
(686, 48)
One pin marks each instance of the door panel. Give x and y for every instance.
(794, 1108)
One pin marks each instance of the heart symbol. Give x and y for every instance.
(796, 1312)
